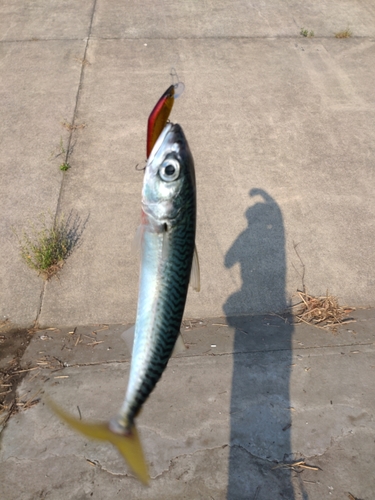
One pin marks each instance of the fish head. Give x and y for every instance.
(169, 180)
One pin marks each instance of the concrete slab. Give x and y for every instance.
(226, 422)
(294, 133)
(281, 129)
(41, 20)
(38, 92)
(221, 19)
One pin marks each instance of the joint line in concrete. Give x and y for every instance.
(69, 147)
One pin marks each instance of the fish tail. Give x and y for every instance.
(129, 444)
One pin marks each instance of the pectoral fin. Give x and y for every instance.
(179, 346)
(128, 336)
(138, 239)
(195, 279)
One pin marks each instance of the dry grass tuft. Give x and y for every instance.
(46, 246)
(322, 311)
(70, 127)
(344, 33)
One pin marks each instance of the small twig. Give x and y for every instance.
(28, 369)
(242, 331)
(12, 409)
(281, 317)
(299, 464)
(302, 264)
(256, 494)
(105, 327)
(30, 402)
(309, 323)
(34, 376)
(352, 497)
(339, 323)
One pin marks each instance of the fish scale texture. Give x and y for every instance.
(171, 303)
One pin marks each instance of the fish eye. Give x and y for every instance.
(169, 170)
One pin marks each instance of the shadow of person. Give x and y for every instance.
(260, 403)
(260, 251)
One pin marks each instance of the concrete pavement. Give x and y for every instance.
(264, 108)
(247, 398)
(281, 130)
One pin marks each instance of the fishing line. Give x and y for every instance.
(179, 86)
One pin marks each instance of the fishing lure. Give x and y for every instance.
(160, 114)
(159, 117)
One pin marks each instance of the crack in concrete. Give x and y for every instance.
(96, 463)
(334, 440)
(64, 365)
(183, 455)
(264, 351)
(69, 146)
(165, 471)
(205, 354)
(226, 445)
(94, 363)
(224, 37)
(41, 299)
(256, 457)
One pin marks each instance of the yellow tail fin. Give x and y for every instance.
(129, 446)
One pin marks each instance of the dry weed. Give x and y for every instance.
(296, 466)
(70, 127)
(323, 311)
(344, 33)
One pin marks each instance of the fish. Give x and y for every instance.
(169, 262)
